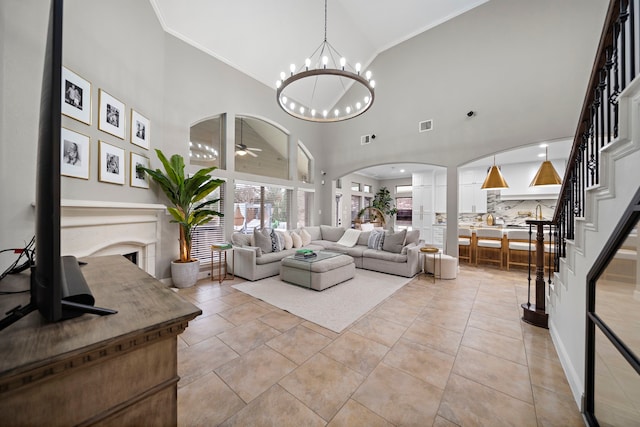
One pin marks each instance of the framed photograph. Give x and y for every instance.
(138, 179)
(76, 96)
(111, 160)
(111, 117)
(140, 130)
(74, 154)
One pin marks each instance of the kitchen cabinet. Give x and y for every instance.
(471, 197)
(422, 212)
(440, 192)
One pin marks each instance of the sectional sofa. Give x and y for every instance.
(256, 256)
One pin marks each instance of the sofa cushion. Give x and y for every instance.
(305, 236)
(263, 240)
(332, 234)
(314, 232)
(413, 236)
(240, 239)
(394, 242)
(376, 240)
(384, 256)
(363, 239)
(296, 239)
(272, 257)
(286, 236)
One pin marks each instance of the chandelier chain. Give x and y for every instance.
(325, 21)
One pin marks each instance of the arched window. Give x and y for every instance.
(261, 148)
(206, 146)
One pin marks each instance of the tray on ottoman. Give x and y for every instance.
(324, 270)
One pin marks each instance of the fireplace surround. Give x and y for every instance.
(94, 228)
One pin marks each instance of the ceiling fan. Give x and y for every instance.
(242, 149)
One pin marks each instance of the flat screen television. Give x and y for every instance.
(58, 288)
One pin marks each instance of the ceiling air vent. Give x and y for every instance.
(425, 126)
(365, 139)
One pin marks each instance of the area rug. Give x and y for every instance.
(334, 308)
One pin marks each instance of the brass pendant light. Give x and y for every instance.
(494, 179)
(547, 174)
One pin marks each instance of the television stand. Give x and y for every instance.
(128, 361)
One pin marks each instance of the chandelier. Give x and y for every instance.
(303, 93)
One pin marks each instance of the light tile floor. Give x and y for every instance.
(444, 354)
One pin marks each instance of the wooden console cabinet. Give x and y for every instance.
(119, 369)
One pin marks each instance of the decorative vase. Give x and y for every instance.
(184, 274)
(489, 219)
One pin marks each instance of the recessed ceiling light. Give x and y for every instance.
(544, 145)
(541, 155)
(401, 170)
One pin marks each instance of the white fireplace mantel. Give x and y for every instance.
(93, 228)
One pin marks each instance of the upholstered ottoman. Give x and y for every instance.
(319, 274)
(445, 268)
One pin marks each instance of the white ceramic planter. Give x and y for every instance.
(184, 274)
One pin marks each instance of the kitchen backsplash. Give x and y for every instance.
(510, 212)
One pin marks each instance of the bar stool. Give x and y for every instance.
(489, 245)
(464, 244)
(518, 248)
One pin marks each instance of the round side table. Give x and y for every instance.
(437, 255)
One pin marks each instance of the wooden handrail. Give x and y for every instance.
(614, 67)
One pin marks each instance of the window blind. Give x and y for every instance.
(213, 232)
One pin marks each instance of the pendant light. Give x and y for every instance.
(494, 179)
(547, 174)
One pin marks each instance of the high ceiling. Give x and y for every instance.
(261, 38)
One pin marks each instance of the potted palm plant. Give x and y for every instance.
(189, 210)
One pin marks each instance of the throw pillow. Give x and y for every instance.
(297, 240)
(363, 239)
(376, 240)
(288, 242)
(413, 236)
(263, 240)
(305, 236)
(394, 242)
(276, 243)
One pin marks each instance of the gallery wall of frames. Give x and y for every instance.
(75, 156)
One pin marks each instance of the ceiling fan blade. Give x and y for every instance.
(254, 149)
(239, 146)
(252, 154)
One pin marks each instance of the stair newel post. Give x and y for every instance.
(535, 314)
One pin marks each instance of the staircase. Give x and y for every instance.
(601, 179)
(603, 207)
